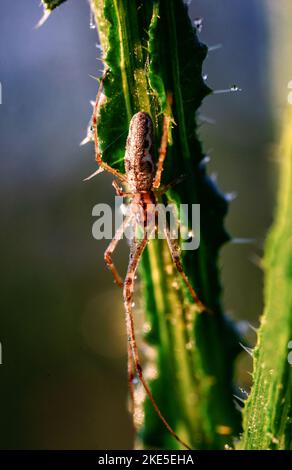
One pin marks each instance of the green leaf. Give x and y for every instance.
(268, 412)
(150, 49)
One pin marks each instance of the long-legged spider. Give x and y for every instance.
(143, 182)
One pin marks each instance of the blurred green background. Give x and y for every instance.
(63, 379)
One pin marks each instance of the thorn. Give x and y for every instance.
(43, 19)
(257, 261)
(207, 119)
(85, 141)
(198, 23)
(242, 241)
(204, 161)
(92, 24)
(235, 88)
(248, 350)
(214, 177)
(232, 89)
(215, 47)
(94, 78)
(244, 392)
(97, 172)
(253, 328)
(231, 196)
(237, 406)
(239, 399)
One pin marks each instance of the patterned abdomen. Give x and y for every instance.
(139, 164)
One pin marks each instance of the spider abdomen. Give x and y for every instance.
(139, 163)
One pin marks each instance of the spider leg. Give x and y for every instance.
(162, 151)
(107, 256)
(130, 380)
(163, 189)
(135, 257)
(98, 155)
(175, 254)
(112, 246)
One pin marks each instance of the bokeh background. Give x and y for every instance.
(63, 378)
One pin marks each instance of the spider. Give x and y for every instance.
(143, 182)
